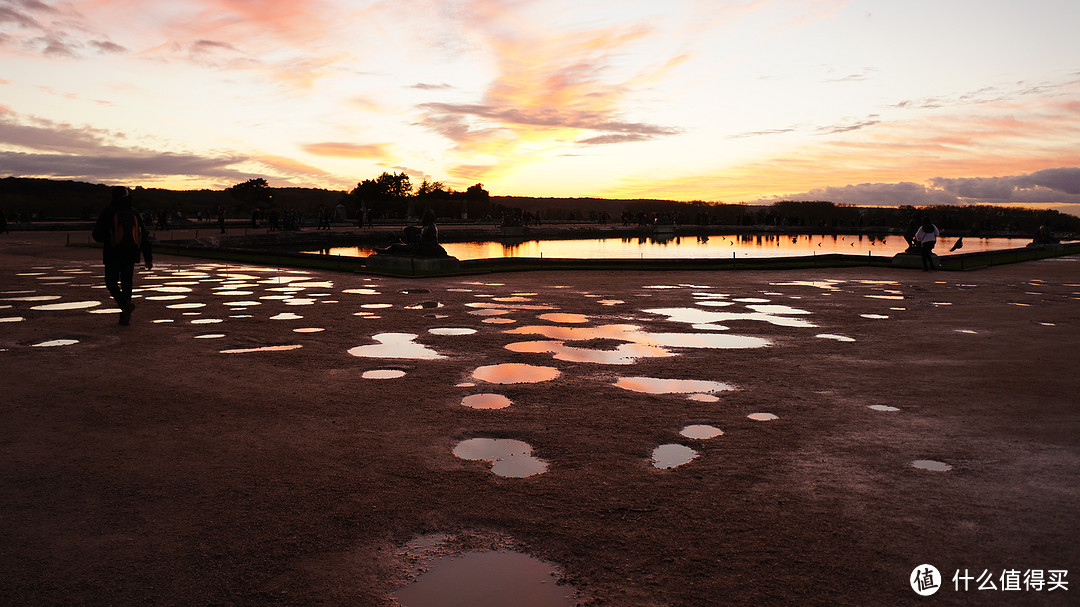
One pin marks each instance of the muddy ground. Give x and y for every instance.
(143, 466)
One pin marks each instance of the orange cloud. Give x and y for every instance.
(347, 150)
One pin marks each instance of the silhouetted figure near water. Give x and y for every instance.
(909, 236)
(927, 236)
(422, 241)
(125, 237)
(1043, 235)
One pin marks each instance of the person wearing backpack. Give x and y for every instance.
(124, 237)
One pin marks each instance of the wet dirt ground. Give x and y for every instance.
(214, 455)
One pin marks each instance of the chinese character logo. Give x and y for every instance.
(925, 580)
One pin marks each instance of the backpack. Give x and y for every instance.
(125, 233)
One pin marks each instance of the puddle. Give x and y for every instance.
(383, 374)
(515, 373)
(465, 384)
(499, 321)
(424, 305)
(610, 302)
(32, 298)
(762, 417)
(162, 320)
(206, 321)
(12, 319)
(308, 330)
(564, 318)
(697, 316)
(491, 578)
(929, 464)
(509, 458)
(623, 354)
(376, 306)
(55, 343)
(874, 316)
(210, 336)
(672, 456)
(486, 401)
(286, 316)
(396, 345)
(701, 432)
(834, 337)
(362, 292)
(241, 304)
(185, 306)
(883, 408)
(704, 398)
(634, 334)
(653, 385)
(451, 331)
(489, 312)
(71, 305)
(262, 349)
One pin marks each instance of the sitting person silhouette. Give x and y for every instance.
(418, 241)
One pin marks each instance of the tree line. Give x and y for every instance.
(392, 196)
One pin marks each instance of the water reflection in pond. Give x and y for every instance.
(486, 401)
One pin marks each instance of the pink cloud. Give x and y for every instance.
(347, 150)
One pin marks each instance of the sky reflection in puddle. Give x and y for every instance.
(624, 354)
(262, 349)
(509, 458)
(834, 337)
(286, 316)
(697, 316)
(486, 401)
(12, 319)
(562, 317)
(701, 432)
(515, 373)
(883, 408)
(634, 334)
(71, 305)
(763, 417)
(55, 343)
(490, 578)
(383, 374)
(396, 345)
(655, 385)
(672, 456)
(451, 331)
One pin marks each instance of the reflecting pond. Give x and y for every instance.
(716, 246)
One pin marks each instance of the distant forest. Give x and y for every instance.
(392, 198)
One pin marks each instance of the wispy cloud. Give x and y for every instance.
(347, 150)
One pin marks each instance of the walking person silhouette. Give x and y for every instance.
(125, 237)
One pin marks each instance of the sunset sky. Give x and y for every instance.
(863, 102)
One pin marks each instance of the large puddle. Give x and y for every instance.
(515, 373)
(654, 385)
(396, 345)
(486, 401)
(509, 458)
(492, 578)
(701, 432)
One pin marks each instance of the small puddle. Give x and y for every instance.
(71, 305)
(424, 305)
(490, 578)
(262, 349)
(55, 343)
(883, 408)
(929, 464)
(383, 374)
(874, 316)
(396, 345)
(834, 337)
(185, 306)
(515, 373)
(701, 432)
(210, 336)
(286, 316)
(308, 330)
(32, 298)
(486, 401)
(654, 385)
(509, 458)
(12, 319)
(206, 321)
(762, 417)
(672, 456)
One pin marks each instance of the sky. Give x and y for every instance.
(873, 102)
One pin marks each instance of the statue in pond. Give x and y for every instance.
(418, 241)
